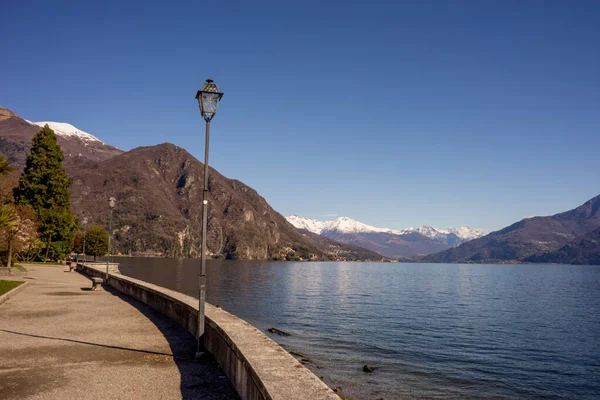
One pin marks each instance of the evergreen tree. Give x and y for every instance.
(44, 186)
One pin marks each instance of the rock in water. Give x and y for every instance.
(279, 332)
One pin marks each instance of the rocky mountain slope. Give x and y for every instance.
(584, 250)
(527, 238)
(78, 146)
(159, 192)
(404, 243)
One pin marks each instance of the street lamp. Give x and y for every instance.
(84, 222)
(208, 99)
(111, 204)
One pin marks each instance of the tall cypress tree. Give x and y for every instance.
(44, 186)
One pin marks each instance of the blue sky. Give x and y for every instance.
(397, 114)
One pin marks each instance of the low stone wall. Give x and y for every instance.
(257, 366)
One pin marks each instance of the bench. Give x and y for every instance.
(96, 281)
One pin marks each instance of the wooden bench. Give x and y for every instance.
(96, 281)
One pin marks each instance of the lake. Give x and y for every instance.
(430, 330)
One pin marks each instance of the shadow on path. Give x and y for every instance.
(84, 342)
(200, 378)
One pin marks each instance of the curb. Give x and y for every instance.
(12, 292)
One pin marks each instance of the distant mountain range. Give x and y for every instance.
(569, 237)
(158, 191)
(398, 244)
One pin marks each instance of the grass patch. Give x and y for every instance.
(6, 286)
(19, 267)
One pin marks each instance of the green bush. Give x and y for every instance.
(96, 241)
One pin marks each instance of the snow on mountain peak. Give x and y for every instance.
(467, 233)
(65, 129)
(309, 224)
(342, 225)
(348, 225)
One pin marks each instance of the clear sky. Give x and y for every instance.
(397, 114)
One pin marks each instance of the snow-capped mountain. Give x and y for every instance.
(312, 225)
(342, 224)
(388, 242)
(76, 144)
(68, 130)
(348, 225)
(467, 233)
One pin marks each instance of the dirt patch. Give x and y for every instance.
(5, 114)
(158, 358)
(39, 314)
(28, 382)
(64, 294)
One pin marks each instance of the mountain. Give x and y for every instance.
(159, 193)
(348, 225)
(78, 146)
(342, 224)
(404, 243)
(527, 238)
(584, 250)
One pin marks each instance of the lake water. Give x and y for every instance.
(430, 330)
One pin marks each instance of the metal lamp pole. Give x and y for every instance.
(111, 204)
(208, 99)
(85, 221)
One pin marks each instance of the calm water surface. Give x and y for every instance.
(431, 330)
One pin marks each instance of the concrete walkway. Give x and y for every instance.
(59, 340)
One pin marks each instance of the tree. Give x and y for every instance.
(21, 232)
(5, 167)
(44, 186)
(7, 216)
(6, 185)
(78, 242)
(96, 241)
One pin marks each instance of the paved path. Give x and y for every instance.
(59, 340)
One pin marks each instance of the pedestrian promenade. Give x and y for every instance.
(60, 340)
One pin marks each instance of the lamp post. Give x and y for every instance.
(111, 204)
(84, 222)
(208, 99)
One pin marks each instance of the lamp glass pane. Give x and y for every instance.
(210, 101)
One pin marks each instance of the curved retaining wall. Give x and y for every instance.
(257, 366)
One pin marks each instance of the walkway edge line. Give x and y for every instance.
(13, 292)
